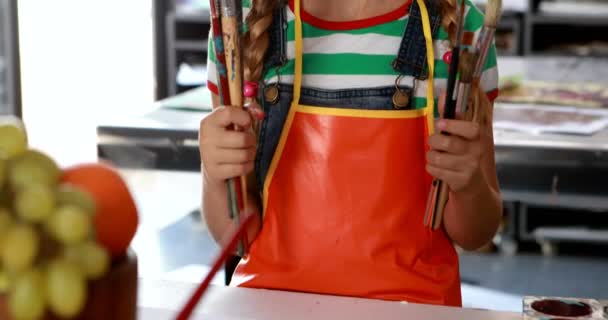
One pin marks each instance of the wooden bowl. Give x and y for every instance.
(112, 297)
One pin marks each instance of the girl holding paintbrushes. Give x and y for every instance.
(341, 142)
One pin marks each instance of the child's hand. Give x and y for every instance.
(456, 158)
(226, 153)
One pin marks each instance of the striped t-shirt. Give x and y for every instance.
(358, 54)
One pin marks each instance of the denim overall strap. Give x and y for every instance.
(412, 57)
(276, 55)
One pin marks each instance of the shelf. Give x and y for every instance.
(190, 86)
(571, 234)
(565, 201)
(199, 17)
(582, 20)
(192, 45)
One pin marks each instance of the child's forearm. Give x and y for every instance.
(215, 211)
(472, 217)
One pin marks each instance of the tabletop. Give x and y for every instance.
(161, 300)
(171, 121)
(570, 69)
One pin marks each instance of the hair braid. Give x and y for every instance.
(256, 40)
(449, 14)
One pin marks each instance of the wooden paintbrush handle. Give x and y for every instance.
(232, 51)
(435, 205)
(442, 199)
(440, 191)
(231, 21)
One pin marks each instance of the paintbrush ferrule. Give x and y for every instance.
(463, 97)
(229, 8)
(484, 43)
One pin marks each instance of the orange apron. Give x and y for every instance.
(344, 203)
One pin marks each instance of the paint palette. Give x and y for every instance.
(550, 308)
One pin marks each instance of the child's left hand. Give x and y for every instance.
(455, 158)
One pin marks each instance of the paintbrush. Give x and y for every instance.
(441, 193)
(449, 111)
(237, 232)
(232, 27)
(482, 47)
(438, 193)
(226, 19)
(467, 66)
(486, 35)
(471, 67)
(218, 45)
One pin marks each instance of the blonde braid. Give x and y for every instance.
(449, 14)
(256, 40)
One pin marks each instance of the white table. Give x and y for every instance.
(160, 300)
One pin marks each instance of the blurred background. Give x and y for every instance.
(123, 81)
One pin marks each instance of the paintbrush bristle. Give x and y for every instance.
(493, 13)
(467, 66)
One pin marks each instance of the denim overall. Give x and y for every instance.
(409, 61)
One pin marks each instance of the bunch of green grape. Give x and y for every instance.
(48, 251)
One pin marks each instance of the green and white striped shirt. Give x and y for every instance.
(358, 54)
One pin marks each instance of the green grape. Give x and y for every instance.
(6, 221)
(5, 281)
(27, 297)
(70, 224)
(33, 167)
(91, 257)
(20, 247)
(72, 253)
(35, 202)
(3, 171)
(13, 138)
(6, 199)
(72, 195)
(65, 288)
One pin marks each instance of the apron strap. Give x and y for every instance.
(297, 79)
(430, 56)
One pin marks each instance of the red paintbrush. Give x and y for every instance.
(237, 232)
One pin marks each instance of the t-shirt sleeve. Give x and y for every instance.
(489, 77)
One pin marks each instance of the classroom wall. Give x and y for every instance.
(83, 60)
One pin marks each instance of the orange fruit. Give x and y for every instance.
(116, 217)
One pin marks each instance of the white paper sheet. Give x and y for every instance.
(578, 7)
(537, 119)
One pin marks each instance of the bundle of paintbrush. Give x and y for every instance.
(226, 19)
(467, 63)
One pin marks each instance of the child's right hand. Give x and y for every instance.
(226, 153)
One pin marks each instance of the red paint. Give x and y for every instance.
(562, 308)
(213, 87)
